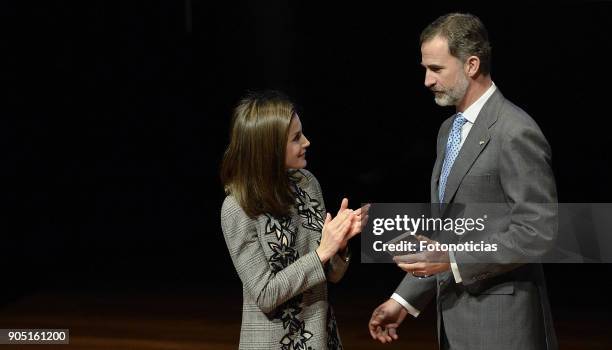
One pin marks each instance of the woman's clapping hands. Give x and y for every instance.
(339, 230)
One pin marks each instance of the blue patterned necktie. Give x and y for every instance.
(452, 150)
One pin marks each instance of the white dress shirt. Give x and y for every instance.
(470, 114)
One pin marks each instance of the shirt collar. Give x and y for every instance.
(474, 109)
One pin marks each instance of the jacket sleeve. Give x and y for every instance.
(268, 289)
(418, 292)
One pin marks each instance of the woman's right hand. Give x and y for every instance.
(334, 233)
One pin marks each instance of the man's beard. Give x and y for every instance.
(452, 96)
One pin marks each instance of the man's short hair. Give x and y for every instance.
(466, 35)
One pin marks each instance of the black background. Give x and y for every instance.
(117, 115)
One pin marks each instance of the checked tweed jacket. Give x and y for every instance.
(285, 302)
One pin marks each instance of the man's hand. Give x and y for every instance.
(425, 263)
(385, 320)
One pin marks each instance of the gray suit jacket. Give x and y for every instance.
(499, 304)
(284, 283)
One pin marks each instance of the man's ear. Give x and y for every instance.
(472, 66)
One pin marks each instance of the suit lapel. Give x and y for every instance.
(477, 140)
(440, 152)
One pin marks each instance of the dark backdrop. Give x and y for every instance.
(117, 115)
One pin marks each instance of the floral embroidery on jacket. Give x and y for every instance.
(333, 341)
(309, 209)
(284, 254)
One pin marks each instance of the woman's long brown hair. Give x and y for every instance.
(253, 167)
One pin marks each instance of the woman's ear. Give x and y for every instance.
(472, 66)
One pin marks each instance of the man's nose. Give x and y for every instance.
(429, 80)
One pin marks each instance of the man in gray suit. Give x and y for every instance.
(491, 151)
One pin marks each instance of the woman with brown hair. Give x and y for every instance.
(283, 243)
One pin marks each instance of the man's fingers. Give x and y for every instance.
(387, 336)
(408, 258)
(372, 327)
(413, 268)
(381, 334)
(378, 334)
(371, 330)
(377, 317)
(393, 332)
(424, 239)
